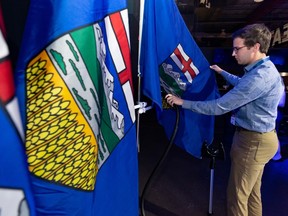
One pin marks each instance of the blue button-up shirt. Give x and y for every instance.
(254, 97)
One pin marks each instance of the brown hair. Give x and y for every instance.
(255, 33)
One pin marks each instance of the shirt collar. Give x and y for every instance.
(255, 64)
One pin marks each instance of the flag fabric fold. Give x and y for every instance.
(16, 197)
(74, 83)
(171, 62)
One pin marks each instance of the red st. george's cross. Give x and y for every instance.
(186, 64)
(122, 37)
(7, 89)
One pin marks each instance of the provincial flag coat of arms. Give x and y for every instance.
(75, 83)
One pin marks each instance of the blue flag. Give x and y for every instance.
(16, 197)
(171, 62)
(75, 84)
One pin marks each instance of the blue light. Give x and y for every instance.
(277, 60)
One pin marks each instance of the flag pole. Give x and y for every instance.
(138, 68)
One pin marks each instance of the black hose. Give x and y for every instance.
(148, 183)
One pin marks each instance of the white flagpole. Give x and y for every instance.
(142, 2)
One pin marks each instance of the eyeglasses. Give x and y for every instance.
(236, 49)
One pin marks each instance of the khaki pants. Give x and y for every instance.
(249, 153)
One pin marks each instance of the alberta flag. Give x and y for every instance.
(171, 62)
(75, 84)
(16, 197)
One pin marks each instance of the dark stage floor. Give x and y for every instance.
(181, 186)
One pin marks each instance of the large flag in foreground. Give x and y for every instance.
(75, 85)
(171, 62)
(16, 197)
